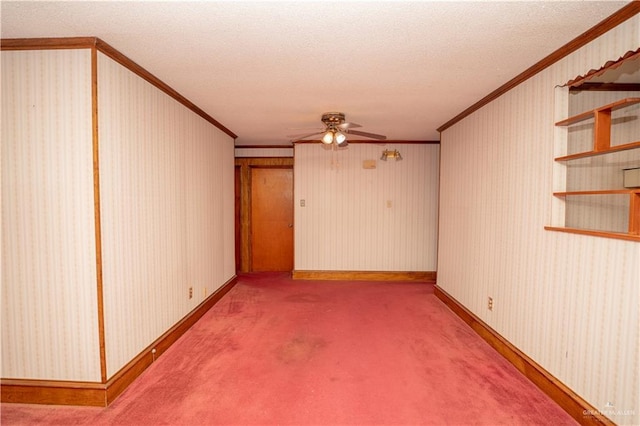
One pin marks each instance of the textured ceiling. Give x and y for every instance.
(269, 69)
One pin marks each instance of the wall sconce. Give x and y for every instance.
(386, 154)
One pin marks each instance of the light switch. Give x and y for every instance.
(303, 203)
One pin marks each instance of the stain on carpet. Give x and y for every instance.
(235, 306)
(304, 298)
(300, 349)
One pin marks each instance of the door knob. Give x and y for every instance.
(291, 225)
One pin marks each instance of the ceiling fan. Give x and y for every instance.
(336, 130)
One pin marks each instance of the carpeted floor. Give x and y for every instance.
(279, 351)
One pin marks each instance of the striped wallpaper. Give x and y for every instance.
(570, 302)
(263, 152)
(356, 219)
(166, 186)
(49, 298)
(167, 214)
(227, 200)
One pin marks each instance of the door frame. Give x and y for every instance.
(246, 164)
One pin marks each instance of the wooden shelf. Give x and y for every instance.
(616, 148)
(602, 192)
(602, 145)
(633, 233)
(605, 234)
(590, 114)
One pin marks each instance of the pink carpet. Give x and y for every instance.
(280, 351)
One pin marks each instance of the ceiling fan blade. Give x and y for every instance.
(345, 126)
(367, 134)
(304, 135)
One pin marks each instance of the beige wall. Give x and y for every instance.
(167, 204)
(49, 297)
(347, 224)
(167, 216)
(568, 301)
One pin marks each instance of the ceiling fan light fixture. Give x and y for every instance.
(328, 137)
(337, 130)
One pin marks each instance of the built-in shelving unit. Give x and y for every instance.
(617, 148)
(602, 146)
(603, 111)
(601, 128)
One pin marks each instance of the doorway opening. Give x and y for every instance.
(264, 214)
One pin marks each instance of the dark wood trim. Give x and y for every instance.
(47, 43)
(634, 215)
(53, 392)
(96, 212)
(237, 215)
(108, 50)
(263, 162)
(598, 192)
(269, 157)
(272, 166)
(245, 215)
(625, 13)
(607, 87)
(123, 378)
(586, 115)
(375, 142)
(604, 234)
(103, 394)
(429, 276)
(137, 69)
(583, 412)
(614, 148)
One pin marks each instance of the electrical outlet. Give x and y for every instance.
(490, 303)
(190, 292)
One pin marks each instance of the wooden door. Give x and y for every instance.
(271, 219)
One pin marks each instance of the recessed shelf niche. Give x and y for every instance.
(601, 138)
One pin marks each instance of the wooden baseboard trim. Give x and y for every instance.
(53, 392)
(123, 378)
(103, 394)
(583, 412)
(429, 276)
